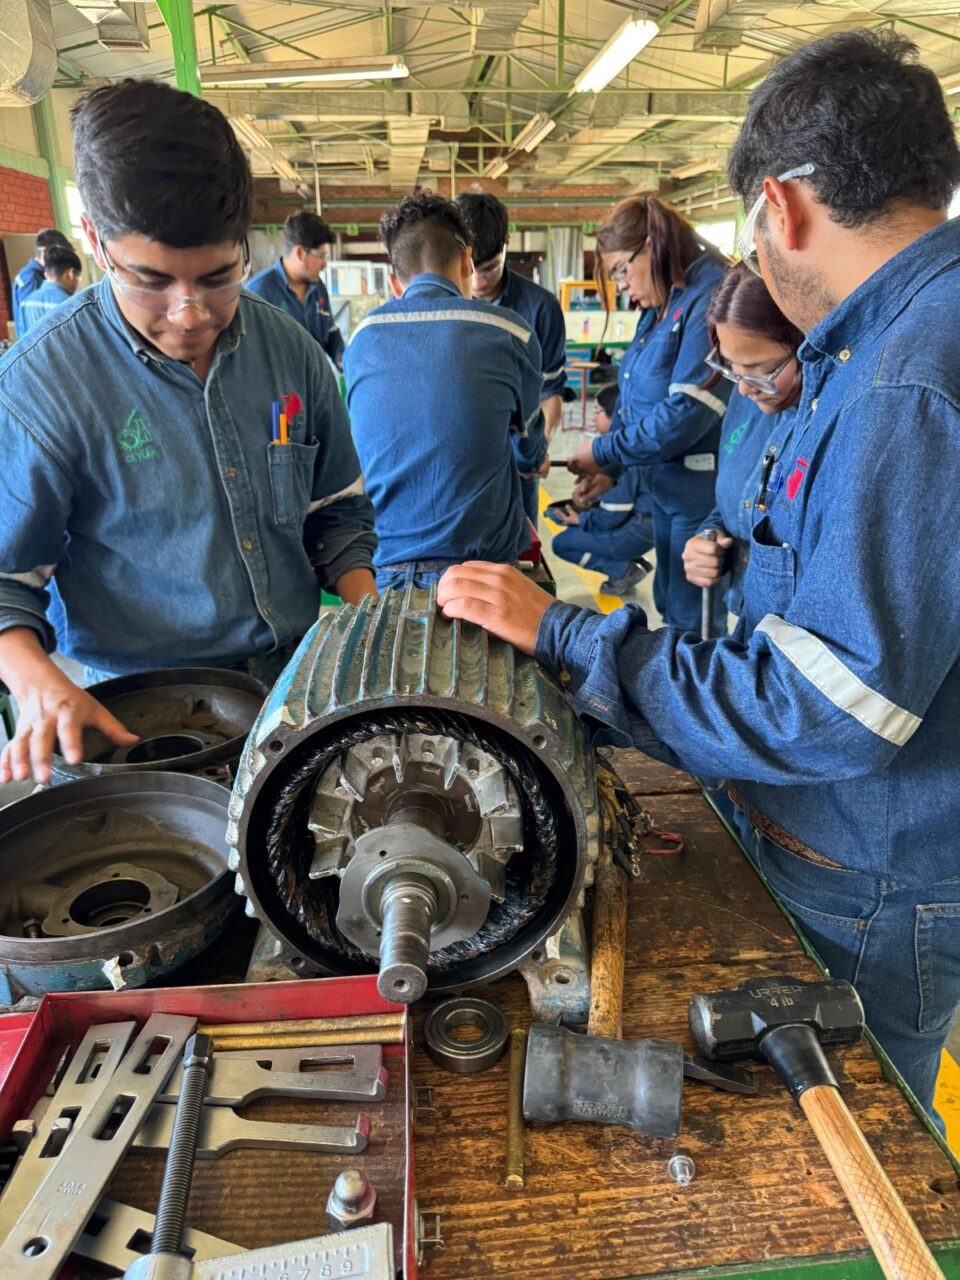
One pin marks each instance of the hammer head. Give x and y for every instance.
(728, 1025)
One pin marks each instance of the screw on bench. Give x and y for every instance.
(681, 1168)
(178, 1171)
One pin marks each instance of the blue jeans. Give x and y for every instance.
(608, 551)
(421, 573)
(678, 601)
(898, 944)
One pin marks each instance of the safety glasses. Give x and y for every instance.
(766, 383)
(619, 273)
(162, 300)
(746, 240)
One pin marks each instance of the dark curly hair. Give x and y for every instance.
(741, 298)
(862, 110)
(424, 231)
(156, 162)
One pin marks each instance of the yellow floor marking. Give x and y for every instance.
(947, 1099)
(605, 604)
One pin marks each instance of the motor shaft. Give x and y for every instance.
(408, 909)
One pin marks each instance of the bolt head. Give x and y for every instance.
(198, 1050)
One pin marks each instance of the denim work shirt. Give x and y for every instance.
(313, 312)
(27, 280)
(836, 702)
(749, 436)
(175, 529)
(664, 418)
(436, 386)
(543, 314)
(40, 303)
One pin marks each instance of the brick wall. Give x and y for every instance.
(25, 207)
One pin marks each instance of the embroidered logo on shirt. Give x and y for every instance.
(736, 435)
(796, 477)
(135, 439)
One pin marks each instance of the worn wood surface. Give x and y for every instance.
(598, 1203)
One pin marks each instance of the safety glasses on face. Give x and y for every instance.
(322, 255)
(162, 300)
(746, 240)
(763, 382)
(619, 273)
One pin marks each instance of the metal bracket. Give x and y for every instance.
(428, 1231)
(221, 1131)
(243, 1075)
(423, 1101)
(117, 1234)
(48, 1227)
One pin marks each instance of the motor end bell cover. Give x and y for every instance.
(390, 717)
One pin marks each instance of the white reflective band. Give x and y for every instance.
(826, 672)
(616, 506)
(700, 461)
(586, 558)
(37, 578)
(697, 393)
(534, 417)
(554, 374)
(351, 491)
(469, 317)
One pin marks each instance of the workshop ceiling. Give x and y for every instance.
(478, 76)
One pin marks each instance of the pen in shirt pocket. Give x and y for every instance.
(275, 422)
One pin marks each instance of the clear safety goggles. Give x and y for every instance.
(746, 240)
(766, 383)
(162, 300)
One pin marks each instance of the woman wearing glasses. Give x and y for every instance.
(667, 419)
(755, 348)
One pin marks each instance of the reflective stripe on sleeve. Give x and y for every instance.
(351, 491)
(616, 506)
(826, 672)
(697, 393)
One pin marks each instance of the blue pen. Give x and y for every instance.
(275, 423)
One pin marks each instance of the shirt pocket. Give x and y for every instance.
(770, 581)
(291, 468)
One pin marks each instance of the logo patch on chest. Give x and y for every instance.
(136, 440)
(796, 477)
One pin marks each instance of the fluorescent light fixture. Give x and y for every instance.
(310, 71)
(534, 132)
(247, 132)
(496, 168)
(622, 47)
(693, 169)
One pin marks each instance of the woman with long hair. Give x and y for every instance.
(755, 348)
(668, 417)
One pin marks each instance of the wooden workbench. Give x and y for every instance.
(598, 1202)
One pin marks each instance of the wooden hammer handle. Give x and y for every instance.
(892, 1234)
(608, 945)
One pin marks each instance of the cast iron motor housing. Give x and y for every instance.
(415, 797)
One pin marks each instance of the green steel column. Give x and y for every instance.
(561, 39)
(46, 127)
(178, 15)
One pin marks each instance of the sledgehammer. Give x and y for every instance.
(787, 1022)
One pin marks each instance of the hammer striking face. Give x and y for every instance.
(729, 1025)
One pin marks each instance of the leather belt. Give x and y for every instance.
(766, 826)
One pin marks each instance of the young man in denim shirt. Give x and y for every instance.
(137, 424)
(834, 707)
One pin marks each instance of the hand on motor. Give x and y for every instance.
(582, 463)
(496, 597)
(588, 491)
(53, 711)
(705, 562)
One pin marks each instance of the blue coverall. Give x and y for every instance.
(666, 421)
(750, 439)
(313, 313)
(614, 533)
(835, 705)
(440, 391)
(27, 280)
(40, 303)
(543, 314)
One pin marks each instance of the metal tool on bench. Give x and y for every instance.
(513, 1174)
(788, 1022)
(117, 1234)
(465, 1056)
(418, 798)
(44, 1234)
(605, 1081)
(365, 1253)
(165, 1260)
(706, 596)
(352, 1200)
(241, 1076)
(87, 1075)
(221, 1130)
